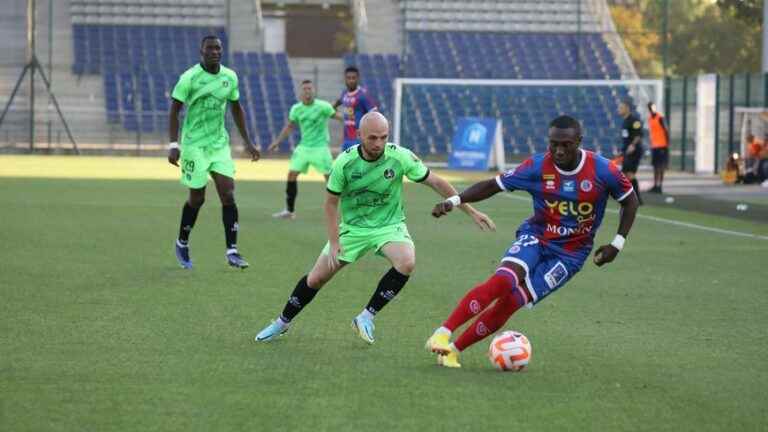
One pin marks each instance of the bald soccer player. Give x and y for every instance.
(367, 179)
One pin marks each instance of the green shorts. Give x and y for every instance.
(356, 242)
(318, 157)
(196, 164)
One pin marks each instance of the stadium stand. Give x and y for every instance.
(486, 39)
(140, 57)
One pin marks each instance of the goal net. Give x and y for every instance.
(428, 110)
(751, 121)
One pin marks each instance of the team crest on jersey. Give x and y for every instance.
(636, 125)
(225, 83)
(389, 173)
(586, 185)
(569, 186)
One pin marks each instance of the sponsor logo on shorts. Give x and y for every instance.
(556, 275)
(586, 185)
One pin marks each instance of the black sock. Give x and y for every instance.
(291, 190)
(229, 218)
(389, 285)
(637, 189)
(300, 297)
(188, 218)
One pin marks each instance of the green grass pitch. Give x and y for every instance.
(100, 330)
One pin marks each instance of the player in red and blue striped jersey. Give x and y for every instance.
(570, 189)
(355, 102)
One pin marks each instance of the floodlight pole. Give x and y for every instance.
(765, 36)
(32, 66)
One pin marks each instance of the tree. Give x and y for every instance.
(749, 11)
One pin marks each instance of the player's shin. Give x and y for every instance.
(389, 286)
(479, 298)
(291, 190)
(188, 218)
(300, 297)
(229, 219)
(491, 320)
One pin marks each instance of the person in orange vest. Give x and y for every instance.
(659, 146)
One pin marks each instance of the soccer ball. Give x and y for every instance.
(510, 351)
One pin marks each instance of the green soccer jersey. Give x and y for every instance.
(205, 95)
(371, 192)
(313, 122)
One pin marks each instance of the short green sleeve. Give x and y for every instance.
(336, 181)
(234, 94)
(413, 167)
(328, 109)
(181, 90)
(293, 115)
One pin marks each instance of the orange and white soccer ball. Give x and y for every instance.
(510, 351)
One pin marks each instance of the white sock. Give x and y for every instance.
(180, 244)
(367, 314)
(444, 330)
(231, 251)
(282, 321)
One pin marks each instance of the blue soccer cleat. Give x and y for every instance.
(273, 330)
(235, 260)
(364, 327)
(182, 255)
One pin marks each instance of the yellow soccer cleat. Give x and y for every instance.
(450, 360)
(439, 343)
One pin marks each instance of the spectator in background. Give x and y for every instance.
(659, 146)
(754, 160)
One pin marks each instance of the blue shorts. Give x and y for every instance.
(545, 270)
(349, 143)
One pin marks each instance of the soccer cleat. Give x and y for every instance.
(364, 328)
(439, 343)
(284, 214)
(273, 330)
(450, 360)
(235, 260)
(182, 255)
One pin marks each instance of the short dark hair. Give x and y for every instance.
(306, 82)
(351, 69)
(209, 37)
(628, 102)
(566, 122)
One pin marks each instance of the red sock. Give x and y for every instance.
(491, 320)
(479, 297)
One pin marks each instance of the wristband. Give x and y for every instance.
(454, 200)
(618, 242)
(173, 145)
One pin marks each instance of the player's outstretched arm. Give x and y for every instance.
(446, 190)
(287, 130)
(608, 253)
(332, 227)
(173, 132)
(239, 115)
(477, 192)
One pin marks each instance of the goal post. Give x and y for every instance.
(427, 110)
(750, 121)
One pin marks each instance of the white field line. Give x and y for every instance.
(672, 222)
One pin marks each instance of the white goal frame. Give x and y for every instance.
(744, 112)
(642, 99)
